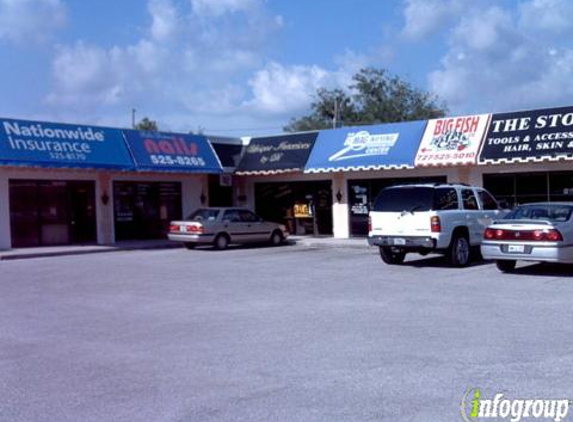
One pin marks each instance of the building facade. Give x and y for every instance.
(73, 184)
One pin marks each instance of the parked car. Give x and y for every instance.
(223, 226)
(442, 218)
(532, 232)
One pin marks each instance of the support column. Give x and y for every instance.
(192, 189)
(340, 222)
(5, 235)
(104, 210)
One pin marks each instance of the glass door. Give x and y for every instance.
(82, 211)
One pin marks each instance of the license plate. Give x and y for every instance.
(183, 229)
(399, 241)
(515, 248)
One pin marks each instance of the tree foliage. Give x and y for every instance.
(375, 96)
(147, 124)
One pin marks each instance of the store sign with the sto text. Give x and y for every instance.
(529, 135)
(452, 141)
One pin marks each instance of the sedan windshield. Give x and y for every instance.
(204, 215)
(547, 212)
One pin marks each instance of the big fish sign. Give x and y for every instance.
(452, 141)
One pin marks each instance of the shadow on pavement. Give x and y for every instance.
(246, 246)
(439, 261)
(545, 269)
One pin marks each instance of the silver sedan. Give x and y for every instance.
(223, 226)
(532, 232)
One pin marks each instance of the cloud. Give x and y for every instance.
(24, 21)
(503, 58)
(221, 7)
(164, 19)
(553, 16)
(185, 65)
(425, 17)
(191, 70)
(285, 89)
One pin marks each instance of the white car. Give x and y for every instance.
(222, 226)
(442, 218)
(532, 232)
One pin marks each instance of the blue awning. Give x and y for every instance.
(375, 147)
(172, 152)
(56, 145)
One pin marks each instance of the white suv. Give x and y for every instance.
(423, 218)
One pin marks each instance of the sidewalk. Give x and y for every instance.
(53, 251)
(330, 242)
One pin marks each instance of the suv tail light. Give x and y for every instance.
(546, 235)
(369, 224)
(435, 224)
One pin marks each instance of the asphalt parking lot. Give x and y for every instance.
(274, 334)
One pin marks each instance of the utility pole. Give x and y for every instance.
(335, 116)
(133, 118)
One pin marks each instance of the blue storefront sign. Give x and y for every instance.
(42, 144)
(391, 145)
(173, 152)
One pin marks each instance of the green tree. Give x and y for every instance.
(375, 97)
(147, 124)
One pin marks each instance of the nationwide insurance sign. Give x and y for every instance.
(42, 144)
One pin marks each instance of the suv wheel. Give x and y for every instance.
(459, 251)
(505, 266)
(390, 256)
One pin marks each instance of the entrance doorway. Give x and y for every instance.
(304, 207)
(49, 213)
(143, 210)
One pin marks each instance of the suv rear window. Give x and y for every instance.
(416, 199)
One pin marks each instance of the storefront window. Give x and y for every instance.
(46, 213)
(522, 188)
(143, 210)
(304, 207)
(561, 186)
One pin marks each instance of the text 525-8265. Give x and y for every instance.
(177, 160)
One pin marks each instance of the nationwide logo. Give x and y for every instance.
(364, 144)
(474, 407)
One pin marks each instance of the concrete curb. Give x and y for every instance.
(310, 243)
(10, 256)
(333, 245)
